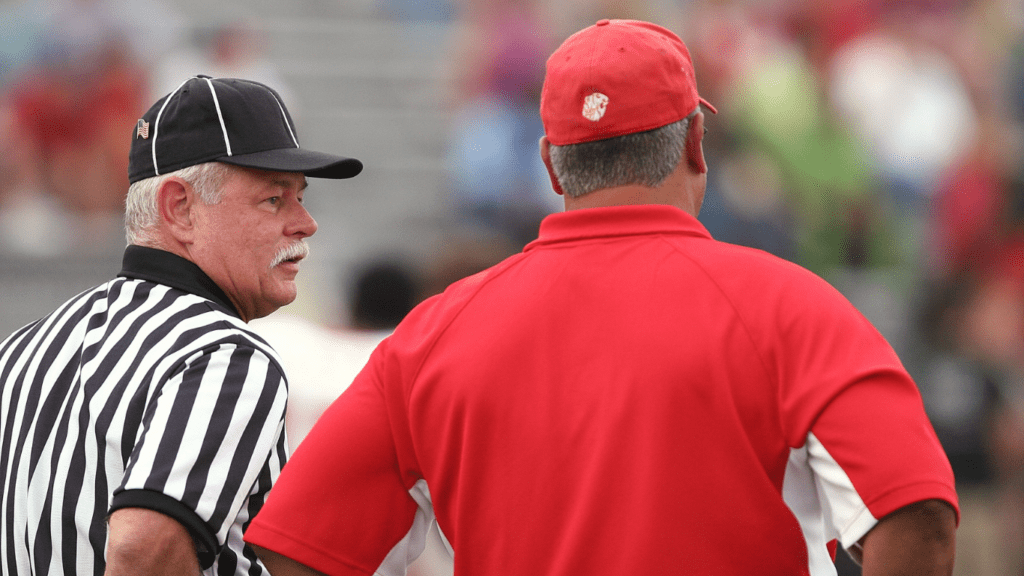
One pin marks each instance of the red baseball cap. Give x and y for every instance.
(614, 78)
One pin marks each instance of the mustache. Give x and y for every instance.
(297, 250)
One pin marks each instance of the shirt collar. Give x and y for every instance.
(615, 221)
(172, 270)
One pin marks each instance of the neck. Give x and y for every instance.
(160, 240)
(685, 194)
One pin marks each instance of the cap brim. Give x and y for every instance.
(309, 162)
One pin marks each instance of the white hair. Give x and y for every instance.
(141, 214)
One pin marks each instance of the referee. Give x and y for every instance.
(142, 422)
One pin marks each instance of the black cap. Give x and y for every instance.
(228, 120)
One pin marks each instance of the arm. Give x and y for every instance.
(917, 539)
(142, 541)
(280, 565)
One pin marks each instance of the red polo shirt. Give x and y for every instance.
(626, 396)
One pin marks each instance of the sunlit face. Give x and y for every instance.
(250, 243)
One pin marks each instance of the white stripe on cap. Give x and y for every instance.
(220, 116)
(284, 116)
(156, 125)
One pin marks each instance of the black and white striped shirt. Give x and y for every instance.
(148, 391)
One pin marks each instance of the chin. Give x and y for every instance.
(279, 299)
(284, 301)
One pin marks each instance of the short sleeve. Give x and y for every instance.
(212, 433)
(341, 505)
(855, 415)
(873, 451)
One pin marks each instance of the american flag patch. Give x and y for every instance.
(142, 130)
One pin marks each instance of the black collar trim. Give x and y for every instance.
(172, 270)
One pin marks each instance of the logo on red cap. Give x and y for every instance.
(594, 106)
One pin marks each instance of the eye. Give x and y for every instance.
(274, 200)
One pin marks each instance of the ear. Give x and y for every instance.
(545, 155)
(174, 200)
(694, 148)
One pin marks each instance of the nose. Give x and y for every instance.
(302, 223)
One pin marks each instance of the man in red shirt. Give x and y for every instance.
(627, 395)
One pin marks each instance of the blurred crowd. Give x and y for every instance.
(879, 143)
(75, 75)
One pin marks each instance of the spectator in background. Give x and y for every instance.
(76, 94)
(384, 293)
(974, 318)
(982, 323)
(497, 179)
(73, 119)
(902, 94)
(32, 223)
(794, 180)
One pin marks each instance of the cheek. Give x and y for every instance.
(240, 256)
(246, 244)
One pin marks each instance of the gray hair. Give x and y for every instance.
(644, 158)
(141, 213)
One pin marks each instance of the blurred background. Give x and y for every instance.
(879, 144)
